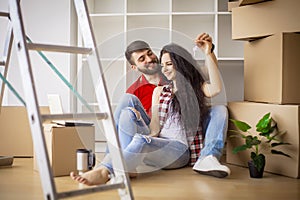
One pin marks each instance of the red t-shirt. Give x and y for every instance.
(143, 90)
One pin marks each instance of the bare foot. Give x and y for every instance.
(94, 177)
(133, 175)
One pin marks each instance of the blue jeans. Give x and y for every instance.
(215, 131)
(138, 148)
(132, 136)
(215, 126)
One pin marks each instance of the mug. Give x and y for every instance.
(85, 160)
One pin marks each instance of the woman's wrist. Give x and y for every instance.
(211, 51)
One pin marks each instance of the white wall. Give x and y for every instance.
(50, 21)
(45, 22)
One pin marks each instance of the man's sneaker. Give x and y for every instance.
(210, 165)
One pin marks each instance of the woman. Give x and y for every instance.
(178, 112)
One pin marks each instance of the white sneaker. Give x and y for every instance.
(210, 165)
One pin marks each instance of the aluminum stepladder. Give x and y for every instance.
(121, 179)
(4, 60)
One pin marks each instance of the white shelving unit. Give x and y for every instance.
(159, 22)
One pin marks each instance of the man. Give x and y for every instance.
(141, 58)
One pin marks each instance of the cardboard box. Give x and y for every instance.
(62, 143)
(15, 131)
(232, 4)
(287, 118)
(249, 2)
(237, 3)
(262, 19)
(271, 69)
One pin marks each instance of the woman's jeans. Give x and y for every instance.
(138, 148)
(215, 131)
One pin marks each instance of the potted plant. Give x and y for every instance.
(266, 138)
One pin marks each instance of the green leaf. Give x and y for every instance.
(250, 141)
(279, 153)
(242, 126)
(264, 124)
(253, 155)
(266, 133)
(240, 148)
(258, 160)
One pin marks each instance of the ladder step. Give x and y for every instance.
(4, 14)
(59, 48)
(90, 190)
(74, 116)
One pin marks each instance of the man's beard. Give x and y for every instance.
(152, 71)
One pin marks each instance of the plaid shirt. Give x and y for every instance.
(195, 141)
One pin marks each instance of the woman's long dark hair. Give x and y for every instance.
(189, 100)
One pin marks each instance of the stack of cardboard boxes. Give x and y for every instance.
(271, 75)
(61, 141)
(15, 131)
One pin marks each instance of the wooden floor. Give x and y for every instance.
(21, 182)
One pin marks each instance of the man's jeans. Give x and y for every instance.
(136, 145)
(138, 148)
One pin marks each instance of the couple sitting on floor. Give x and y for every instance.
(162, 118)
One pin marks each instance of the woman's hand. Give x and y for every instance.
(204, 42)
(138, 117)
(154, 134)
(136, 112)
(214, 85)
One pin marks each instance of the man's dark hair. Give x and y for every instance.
(134, 46)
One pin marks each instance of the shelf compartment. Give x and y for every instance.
(222, 6)
(105, 7)
(186, 28)
(193, 6)
(137, 6)
(110, 39)
(152, 29)
(228, 48)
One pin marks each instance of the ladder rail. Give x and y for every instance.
(6, 58)
(102, 96)
(33, 112)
